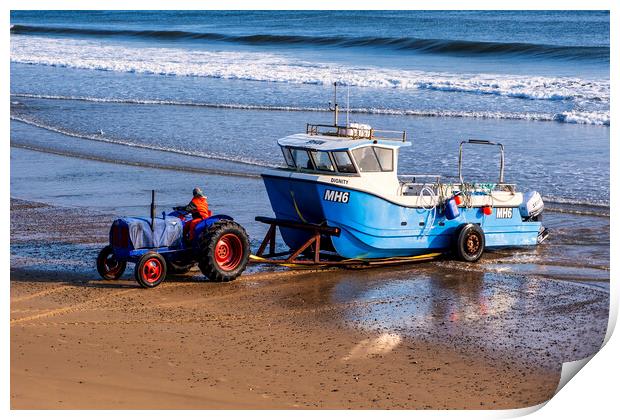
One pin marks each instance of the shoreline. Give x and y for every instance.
(554, 205)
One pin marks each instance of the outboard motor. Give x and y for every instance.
(532, 205)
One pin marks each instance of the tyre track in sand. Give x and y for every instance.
(66, 309)
(206, 319)
(69, 308)
(110, 297)
(39, 294)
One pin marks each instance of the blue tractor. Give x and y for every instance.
(157, 246)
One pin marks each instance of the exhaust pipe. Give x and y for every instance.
(153, 211)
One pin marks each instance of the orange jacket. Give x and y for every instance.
(199, 208)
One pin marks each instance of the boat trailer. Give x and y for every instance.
(300, 257)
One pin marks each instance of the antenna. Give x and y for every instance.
(335, 108)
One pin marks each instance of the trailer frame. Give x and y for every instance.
(319, 258)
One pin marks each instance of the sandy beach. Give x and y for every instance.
(289, 339)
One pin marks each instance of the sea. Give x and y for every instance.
(107, 105)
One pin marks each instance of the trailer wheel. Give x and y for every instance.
(108, 266)
(469, 243)
(150, 270)
(224, 251)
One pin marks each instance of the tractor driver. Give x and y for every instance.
(199, 209)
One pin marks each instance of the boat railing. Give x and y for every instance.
(482, 186)
(487, 143)
(412, 184)
(355, 133)
(414, 178)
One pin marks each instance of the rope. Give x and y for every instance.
(431, 206)
(467, 193)
(297, 208)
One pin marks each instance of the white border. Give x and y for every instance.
(592, 395)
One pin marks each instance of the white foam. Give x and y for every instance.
(594, 118)
(268, 67)
(584, 117)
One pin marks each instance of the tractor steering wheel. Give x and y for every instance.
(179, 212)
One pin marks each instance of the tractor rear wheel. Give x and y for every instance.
(224, 251)
(108, 266)
(150, 270)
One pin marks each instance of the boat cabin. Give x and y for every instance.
(345, 151)
(368, 158)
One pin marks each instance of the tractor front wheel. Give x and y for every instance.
(224, 251)
(108, 266)
(150, 270)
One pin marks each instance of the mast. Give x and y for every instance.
(335, 108)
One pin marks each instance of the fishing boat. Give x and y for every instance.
(340, 192)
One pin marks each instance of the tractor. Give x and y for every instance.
(157, 246)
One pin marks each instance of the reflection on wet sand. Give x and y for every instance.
(541, 320)
(382, 344)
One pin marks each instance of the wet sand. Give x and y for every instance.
(431, 335)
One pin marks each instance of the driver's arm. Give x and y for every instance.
(189, 208)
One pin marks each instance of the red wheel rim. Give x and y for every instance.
(111, 264)
(151, 270)
(228, 252)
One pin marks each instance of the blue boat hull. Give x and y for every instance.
(373, 227)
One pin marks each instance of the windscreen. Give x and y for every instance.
(302, 159)
(343, 162)
(322, 161)
(366, 159)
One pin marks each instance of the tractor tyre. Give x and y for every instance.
(150, 270)
(469, 242)
(108, 266)
(224, 251)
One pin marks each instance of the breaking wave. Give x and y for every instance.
(437, 46)
(574, 117)
(268, 67)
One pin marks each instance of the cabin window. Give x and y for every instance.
(386, 158)
(287, 157)
(302, 159)
(343, 162)
(366, 159)
(322, 162)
